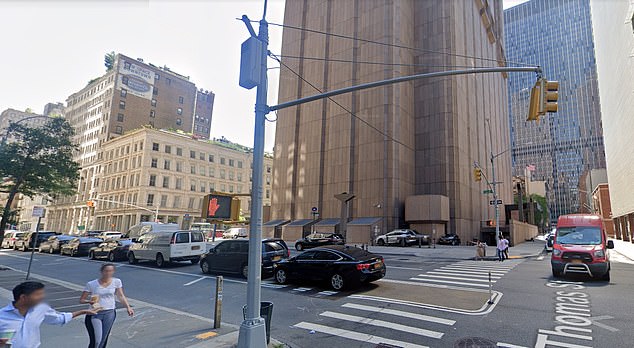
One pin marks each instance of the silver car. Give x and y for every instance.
(402, 237)
(9, 238)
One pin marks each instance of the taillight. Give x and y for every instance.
(288, 252)
(362, 266)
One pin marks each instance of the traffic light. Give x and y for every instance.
(477, 174)
(90, 204)
(550, 93)
(534, 103)
(491, 223)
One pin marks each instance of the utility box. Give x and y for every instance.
(250, 63)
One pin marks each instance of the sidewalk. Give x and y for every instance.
(624, 248)
(152, 325)
(446, 252)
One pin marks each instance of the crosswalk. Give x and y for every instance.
(308, 291)
(368, 323)
(469, 274)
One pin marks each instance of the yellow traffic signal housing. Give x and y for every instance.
(90, 204)
(235, 209)
(490, 223)
(550, 92)
(477, 174)
(535, 103)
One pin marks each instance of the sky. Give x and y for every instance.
(51, 49)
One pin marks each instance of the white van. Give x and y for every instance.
(236, 232)
(109, 235)
(165, 247)
(144, 227)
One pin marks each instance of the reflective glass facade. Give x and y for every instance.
(556, 35)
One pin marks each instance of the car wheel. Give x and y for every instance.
(453, 242)
(299, 247)
(50, 250)
(336, 281)
(280, 276)
(111, 257)
(245, 271)
(556, 273)
(131, 259)
(403, 242)
(91, 255)
(204, 266)
(160, 260)
(380, 242)
(72, 253)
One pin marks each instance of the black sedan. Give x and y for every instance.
(111, 249)
(79, 246)
(54, 243)
(232, 256)
(318, 239)
(340, 266)
(449, 239)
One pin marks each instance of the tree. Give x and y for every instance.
(108, 60)
(37, 161)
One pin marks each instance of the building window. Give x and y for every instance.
(155, 146)
(124, 92)
(150, 199)
(164, 201)
(179, 122)
(154, 163)
(157, 77)
(212, 187)
(192, 154)
(231, 188)
(192, 186)
(223, 188)
(179, 166)
(177, 202)
(126, 65)
(190, 204)
(268, 169)
(202, 156)
(211, 158)
(202, 187)
(180, 100)
(222, 173)
(192, 169)
(231, 163)
(118, 130)
(152, 113)
(212, 172)
(239, 176)
(152, 180)
(231, 175)
(155, 91)
(179, 184)
(153, 102)
(168, 149)
(222, 160)
(122, 104)
(268, 180)
(166, 181)
(166, 165)
(179, 111)
(239, 164)
(124, 80)
(179, 151)
(120, 117)
(168, 81)
(268, 194)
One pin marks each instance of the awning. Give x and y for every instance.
(275, 223)
(301, 222)
(365, 221)
(328, 222)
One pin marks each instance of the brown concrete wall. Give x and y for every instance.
(521, 231)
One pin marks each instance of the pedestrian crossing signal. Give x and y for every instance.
(491, 223)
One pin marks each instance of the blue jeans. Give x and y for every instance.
(99, 326)
(500, 254)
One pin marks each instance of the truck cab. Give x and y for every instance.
(580, 246)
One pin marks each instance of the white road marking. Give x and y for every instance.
(356, 336)
(18, 257)
(399, 313)
(475, 269)
(327, 293)
(383, 323)
(60, 299)
(302, 289)
(477, 275)
(449, 282)
(457, 278)
(407, 268)
(508, 345)
(194, 281)
(273, 285)
(482, 267)
(71, 306)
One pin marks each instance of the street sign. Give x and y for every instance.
(492, 202)
(314, 209)
(81, 227)
(487, 191)
(38, 212)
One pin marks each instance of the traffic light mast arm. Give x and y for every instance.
(126, 204)
(486, 180)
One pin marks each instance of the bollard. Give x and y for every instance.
(490, 290)
(218, 302)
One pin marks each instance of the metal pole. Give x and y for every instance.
(490, 289)
(37, 234)
(495, 198)
(253, 331)
(213, 237)
(218, 302)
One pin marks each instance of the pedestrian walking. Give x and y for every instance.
(506, 251)
(502, 244)
(480, 250)
(100, 294)
(20, 321)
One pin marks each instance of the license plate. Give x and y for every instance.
(195, 247)
(576, 261)
(378, 265)
(277, 258)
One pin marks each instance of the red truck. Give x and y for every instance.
(581, 246)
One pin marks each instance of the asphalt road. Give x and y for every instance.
(421, 302)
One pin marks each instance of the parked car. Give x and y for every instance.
(109, 235)
(581, 246)
(449, 239)
(54, 243)
(339, 265)
(27, 241)
(550, 240)
(319, 239)
(92, 233)
(10, 236)
(142, 228)
(402, 237)
(79, 246)
(166, 247)
(236, 232)
(232, 256)
(111, 249)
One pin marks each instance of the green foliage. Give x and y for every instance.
(541, 215)
(108, 60)
(37, 161)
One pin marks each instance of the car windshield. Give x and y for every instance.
(579, 235)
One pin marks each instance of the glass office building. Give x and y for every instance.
(556, 35)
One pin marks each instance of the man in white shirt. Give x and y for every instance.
(20, 321)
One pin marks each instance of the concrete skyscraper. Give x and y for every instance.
(557, 35)
(406, 151)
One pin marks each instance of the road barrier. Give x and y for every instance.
(218, 302)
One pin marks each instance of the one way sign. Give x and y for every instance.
(492, 202)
